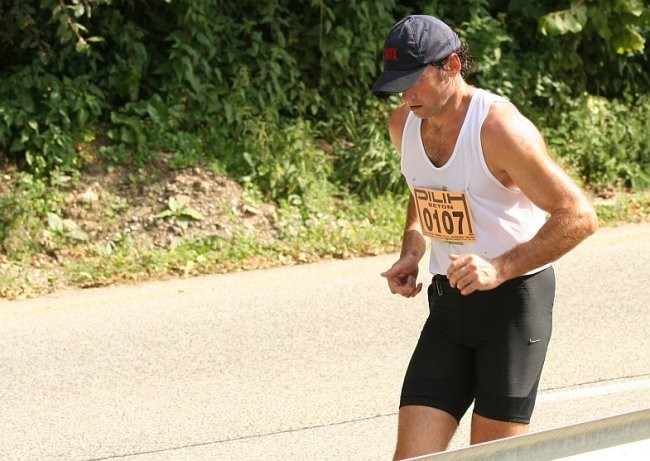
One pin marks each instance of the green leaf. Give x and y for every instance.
(127, 136)
(81, 46)
(564, 22)
(174, 205)
(54, 223)
(629, 41)
(79, 10)
(192, 213)
(78, 235)
(17, 145)
(635, 7)
(163, 214)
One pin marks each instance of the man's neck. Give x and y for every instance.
(455, 108)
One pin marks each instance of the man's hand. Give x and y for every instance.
(470, 272)
(402, 277)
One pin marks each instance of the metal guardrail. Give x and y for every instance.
(556, 443)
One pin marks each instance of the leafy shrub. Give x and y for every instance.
(278, 92)
(24, 208)
(607, 142)
(42, 117)
(366, 163)
(282, 161)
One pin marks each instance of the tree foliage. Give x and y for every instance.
(277, 92)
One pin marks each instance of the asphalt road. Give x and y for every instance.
(298, 362)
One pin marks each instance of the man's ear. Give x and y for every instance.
(453, 65)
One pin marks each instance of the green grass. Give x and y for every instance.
(349, 229)
(624, 207)
(313, 228)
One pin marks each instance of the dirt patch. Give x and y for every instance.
(164, 207)
(154, 207)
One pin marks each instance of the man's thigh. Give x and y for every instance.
(441, 373)
(510, 360)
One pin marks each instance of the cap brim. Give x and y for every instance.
(397, 81)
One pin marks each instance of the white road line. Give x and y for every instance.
(594, 391)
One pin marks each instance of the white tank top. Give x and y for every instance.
(502, 218)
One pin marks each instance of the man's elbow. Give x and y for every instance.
(588, 218)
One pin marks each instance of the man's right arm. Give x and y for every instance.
(402, 276)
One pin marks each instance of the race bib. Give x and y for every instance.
(444, 215)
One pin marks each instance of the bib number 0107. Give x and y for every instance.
(444, 215)
(429, 220)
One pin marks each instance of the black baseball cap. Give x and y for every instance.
(412, 44)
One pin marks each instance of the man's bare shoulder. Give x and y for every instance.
(513, 147)
(509, 131)
(396, 124)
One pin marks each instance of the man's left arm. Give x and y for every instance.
(516, 154)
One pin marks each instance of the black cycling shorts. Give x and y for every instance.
(488, 347)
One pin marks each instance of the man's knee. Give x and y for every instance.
(486, 429)
(423, 430)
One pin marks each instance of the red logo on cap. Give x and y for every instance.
(390, 54)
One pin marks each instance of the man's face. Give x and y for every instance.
(429, 94)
